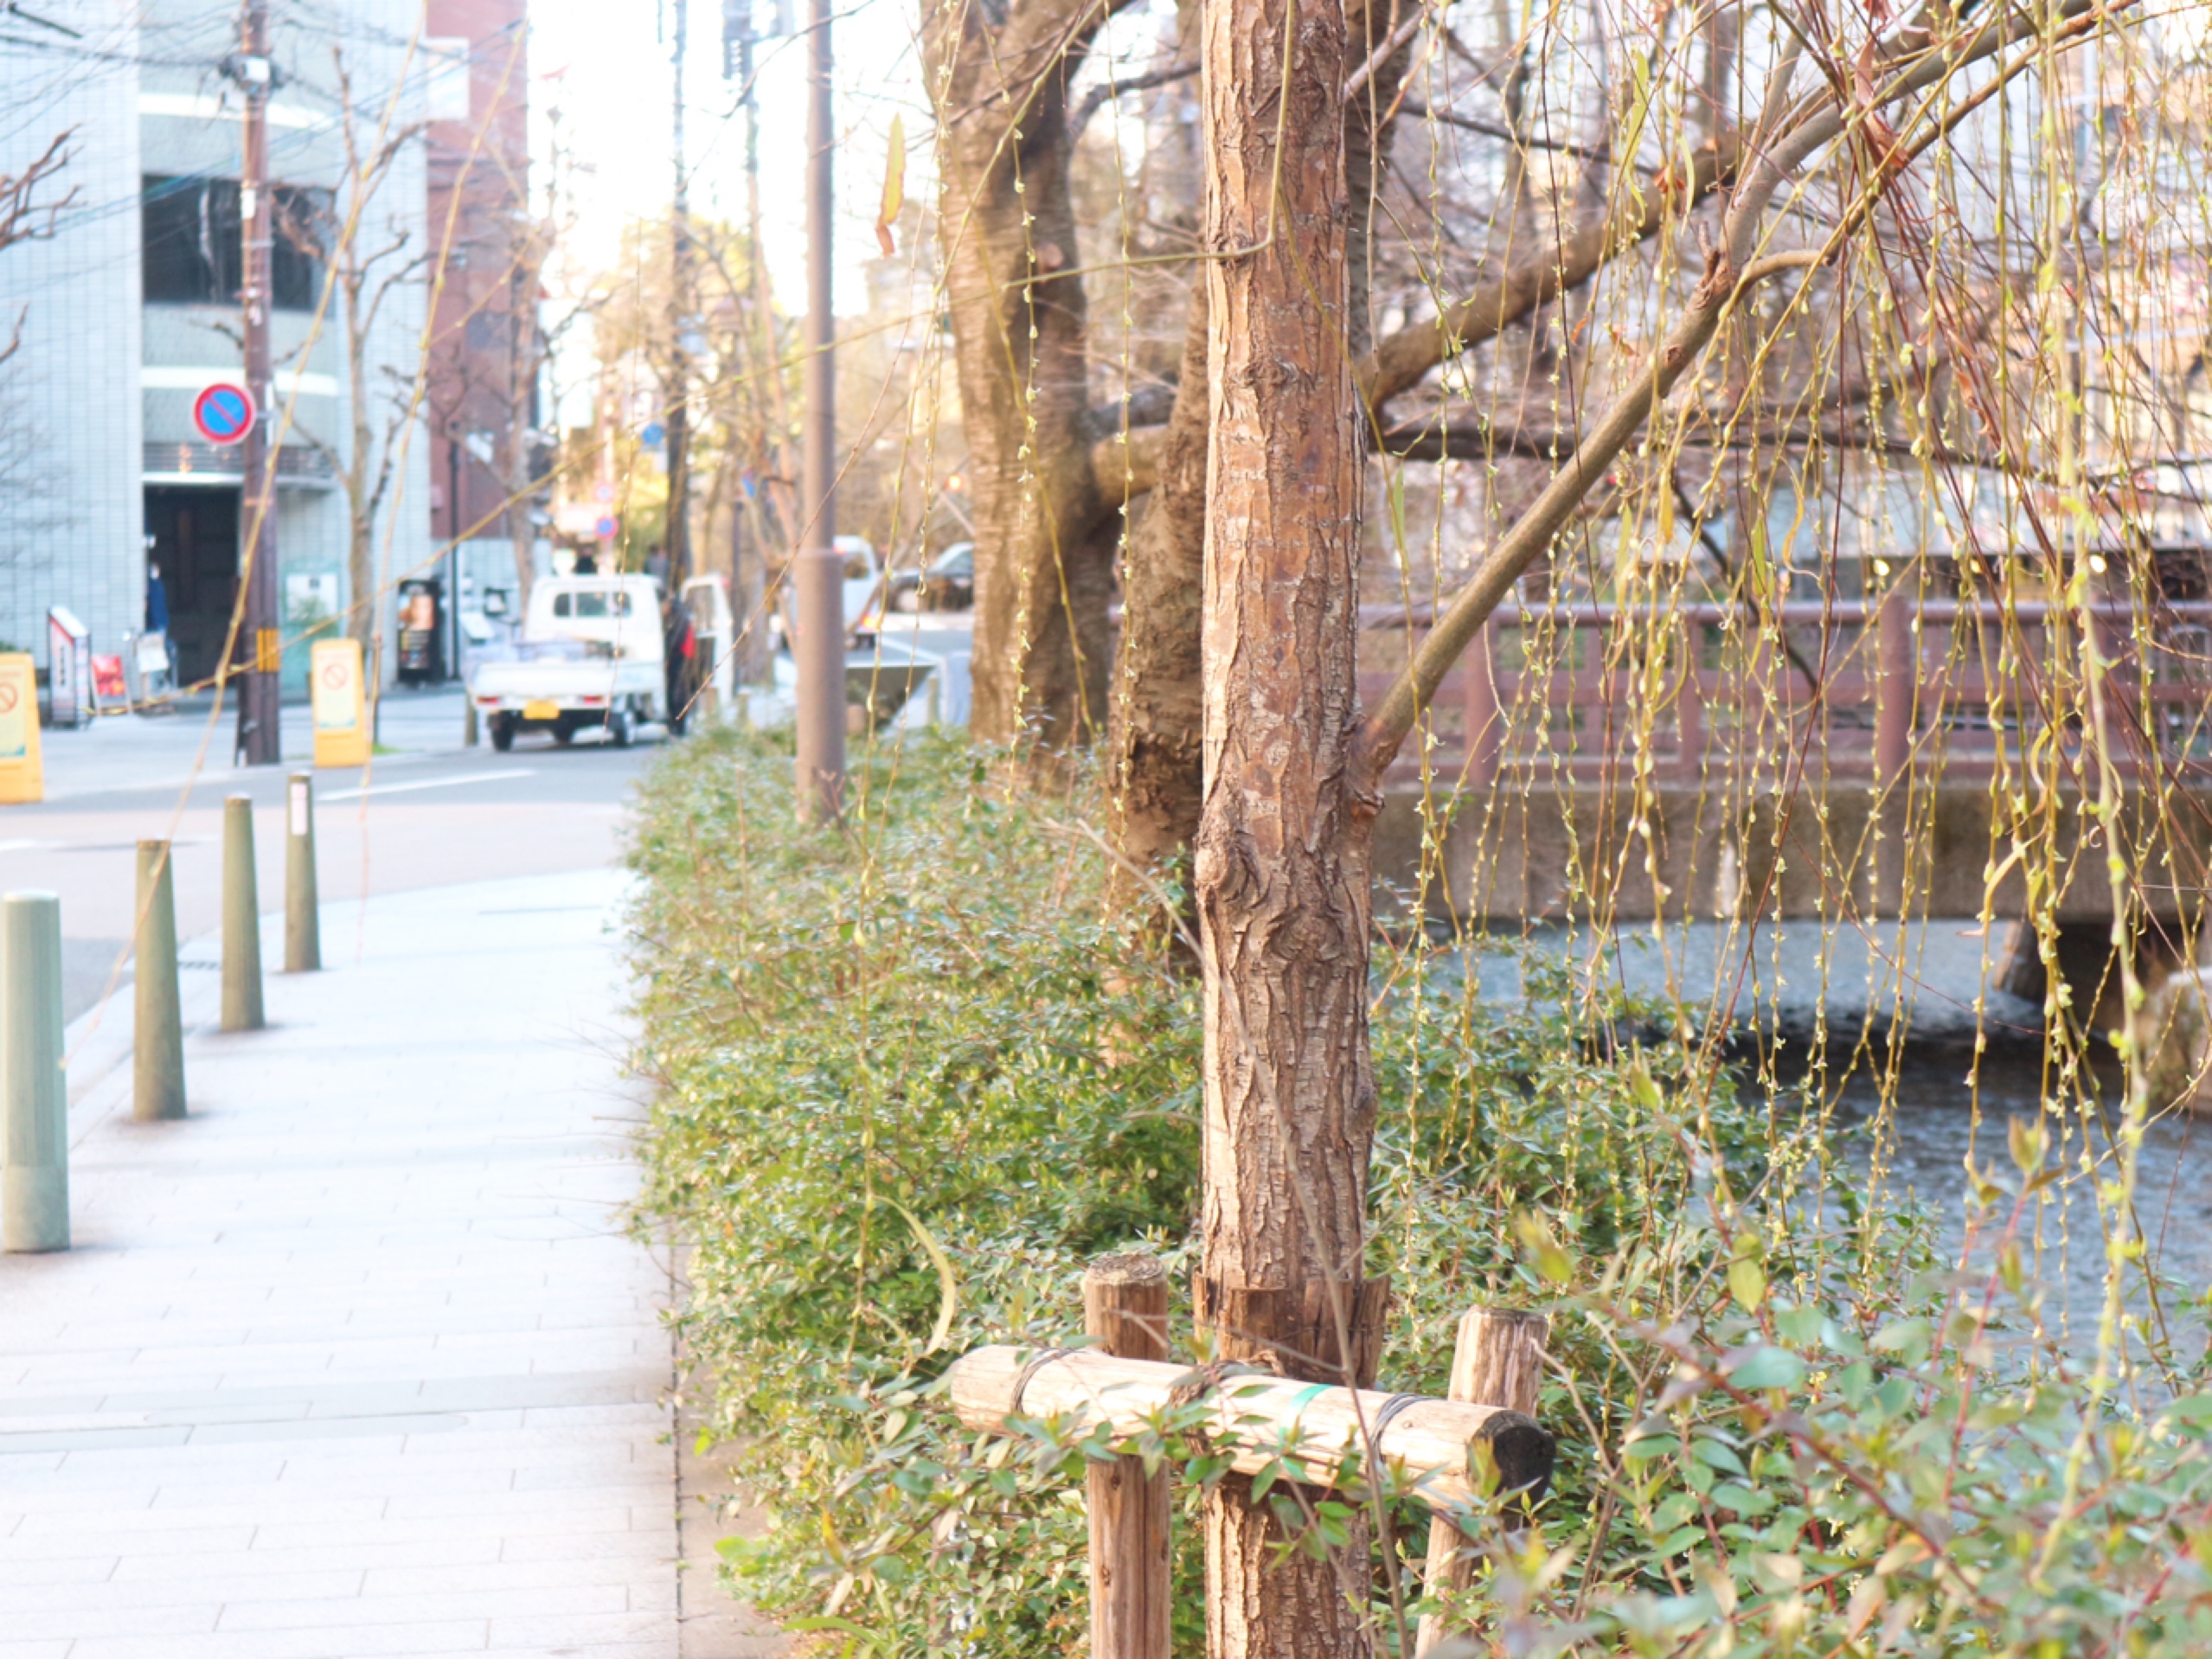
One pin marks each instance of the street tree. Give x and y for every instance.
(373, 256)
(1832, 145)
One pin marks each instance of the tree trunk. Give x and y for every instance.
(1158, 708)
(1045, 536)
(363, 601)
(1155, 745)
(1281, 870)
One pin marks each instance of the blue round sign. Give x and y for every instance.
(223, 413)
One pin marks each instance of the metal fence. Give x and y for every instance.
(1847, 690)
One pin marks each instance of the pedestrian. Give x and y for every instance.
(157, 602)
(679, 660)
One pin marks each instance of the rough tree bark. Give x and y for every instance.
(1281, 867)
(1153, 745)
(1158, 706)
(1045, 533)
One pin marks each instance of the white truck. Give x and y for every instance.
(589, 656)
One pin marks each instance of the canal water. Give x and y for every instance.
(1933, 984)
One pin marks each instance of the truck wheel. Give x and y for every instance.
(502, 733)
(619, 728)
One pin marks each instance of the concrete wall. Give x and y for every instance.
(1548, 853)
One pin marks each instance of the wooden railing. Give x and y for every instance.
(1482, 1435)
(1844, 691)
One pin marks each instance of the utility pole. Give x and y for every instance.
(817, 572)
(679, 319)
(449, 644)
(259, 730)
(766, 423)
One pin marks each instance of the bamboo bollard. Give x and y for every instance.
(157, 1040)
(241, 920)
(1498, 1360)
(1125, 1312)
(34, 1090)
(303, 923)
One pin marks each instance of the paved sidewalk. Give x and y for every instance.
(358, 1359)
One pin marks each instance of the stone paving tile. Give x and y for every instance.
(450, 1577)
(351, 1642)
(570, 1631)
(579, 1601)
(600, 1546)
(97, 1616)
(151, 1545)
(359, 1359)
(441, 1551)
(46, 1570)
(212, 1589)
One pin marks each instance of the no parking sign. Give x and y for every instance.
(224, 413)
(334, 684)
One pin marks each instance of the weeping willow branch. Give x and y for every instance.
(1781, 145)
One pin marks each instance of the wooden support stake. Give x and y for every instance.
(1498, 1360)
(1125, 1312)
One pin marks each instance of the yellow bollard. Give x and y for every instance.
(22, 775)
(336, 690)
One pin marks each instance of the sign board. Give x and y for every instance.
(311, 597)
(605, 528)
(224, 413)
(340, 703)
(68, 668)
(22, 777)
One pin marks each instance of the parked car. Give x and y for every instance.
(948, 583)
(715, 635)
(863, 585)
(589, 658)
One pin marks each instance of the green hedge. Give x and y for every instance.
(911, 1080)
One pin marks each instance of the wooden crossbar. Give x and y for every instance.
(1254, 1420)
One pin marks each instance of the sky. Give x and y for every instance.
(607, 69)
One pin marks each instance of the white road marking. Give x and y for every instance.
(429, 783)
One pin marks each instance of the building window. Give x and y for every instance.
(193, 248)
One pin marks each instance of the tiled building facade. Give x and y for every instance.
(106, 473)
(483, 349)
